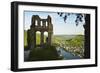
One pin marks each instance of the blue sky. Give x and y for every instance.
(59, 26)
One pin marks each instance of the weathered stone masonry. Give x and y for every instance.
(42, 25)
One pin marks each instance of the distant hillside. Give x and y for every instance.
(66, 37)
(69, 40)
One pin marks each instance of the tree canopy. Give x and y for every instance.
(79, 17)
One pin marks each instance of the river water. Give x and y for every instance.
(66, 55)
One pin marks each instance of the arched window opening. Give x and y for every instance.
(45, 37)
(41, 23)
(38, 39)
(46, 23)
(36, 23)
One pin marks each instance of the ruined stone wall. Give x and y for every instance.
(42, 25)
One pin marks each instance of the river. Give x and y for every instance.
(66, 55)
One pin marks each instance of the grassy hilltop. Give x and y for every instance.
(47, 52)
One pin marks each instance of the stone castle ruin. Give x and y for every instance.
(41, 25)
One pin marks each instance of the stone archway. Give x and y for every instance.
(42, 25)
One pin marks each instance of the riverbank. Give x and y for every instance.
(67, 55)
